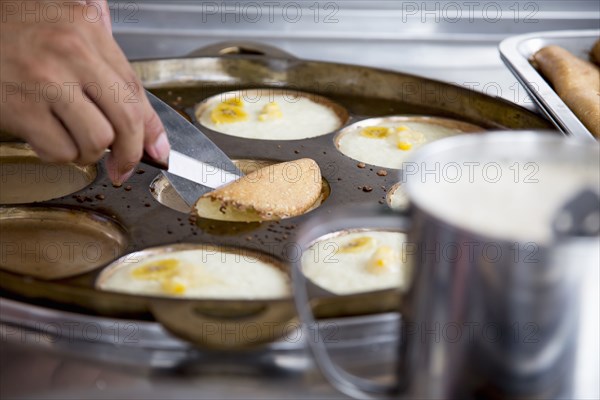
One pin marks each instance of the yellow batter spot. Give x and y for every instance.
(226, 114)
(234, 101)
(357, 245)
(407, 139)
(375, 132)
(270, 112)
(384, 260)
(174, 286)
(157, 270)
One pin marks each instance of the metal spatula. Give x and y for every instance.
(196, 165)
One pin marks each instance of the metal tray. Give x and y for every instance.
(516, 52)
(185, 82)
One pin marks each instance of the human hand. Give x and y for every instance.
(69, 91)
(102, 7)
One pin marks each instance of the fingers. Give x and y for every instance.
(104, 12)
(125, 112)
(125, 105)
(48, 137)
(75, 129)
(156, 143)
(89, 128)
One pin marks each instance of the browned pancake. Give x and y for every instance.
(271, 193)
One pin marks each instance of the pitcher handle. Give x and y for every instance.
(347, 218)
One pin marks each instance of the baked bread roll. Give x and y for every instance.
(576, 81)
(596, 52)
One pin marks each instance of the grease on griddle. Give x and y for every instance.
(81, 199)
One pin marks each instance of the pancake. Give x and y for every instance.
(353, 262)
(206, 272)
(389, 141)
(270, 114)
(271, 193)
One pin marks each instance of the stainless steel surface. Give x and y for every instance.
(540, 299)
(517, 51)
(447, 40)
(195, 170)
(71, 356)
(543, 305)
(196, 164)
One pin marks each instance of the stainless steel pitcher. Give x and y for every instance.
(486, 315)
